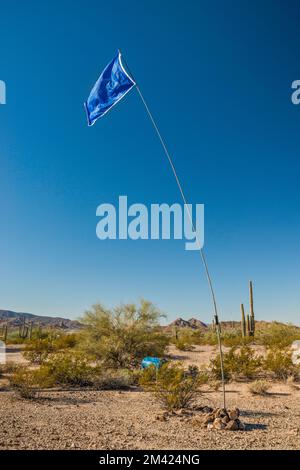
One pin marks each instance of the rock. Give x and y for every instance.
(218, 424)
(203, 409)
(240, 425)
(203, 421)
(184, 412)
(232, 425)
(225, 420)
(208, 419)
(161, 417)
(198, 421)
(220, 413)
(234, 414)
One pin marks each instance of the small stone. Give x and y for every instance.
(202, 421)
(203, 409)
(184, 412)
(232, 425)
(220, 413)
(161, 417)
(234, 414)
(241, 425)
(208, 419)
(225, 420)
(217, 424)
(197, 421)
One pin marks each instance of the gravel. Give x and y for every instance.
(130, 420)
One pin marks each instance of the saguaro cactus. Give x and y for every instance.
(175, 331)
(30, 329)
(248, 325)
(23, 329)
(252, 318)
(39, 330)
(3, 332)
(243, 322)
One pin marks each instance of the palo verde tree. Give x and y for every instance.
(121, 337)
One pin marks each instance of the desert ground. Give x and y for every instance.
(72, 419)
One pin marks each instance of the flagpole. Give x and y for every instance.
(203, 257)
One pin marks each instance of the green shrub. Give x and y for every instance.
(183, 345)
(230, 338)
(259, 387)
(209, 338)
(277, 335)
(172, 385)
(214, 384)
(65, 341)
(14, 338)
(23, 381)
(111, 379)
(291, 381)
(238, 362)
(121, 337)
(185, 339)
(234, 339)
(278, 361)
(69, 368)
(38, 349)
(8, 368)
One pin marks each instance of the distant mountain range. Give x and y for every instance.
(191, 323)
(195, 324)
(14, 319)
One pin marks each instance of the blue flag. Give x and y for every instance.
(110, 88)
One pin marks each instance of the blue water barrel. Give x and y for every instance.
(151, 361)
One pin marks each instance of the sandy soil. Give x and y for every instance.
(14, 354)
(201, 355)
(127, 420)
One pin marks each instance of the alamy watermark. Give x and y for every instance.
(295, 96)
(2, 92)
(159, 221)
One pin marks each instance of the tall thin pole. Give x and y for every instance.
(203, 258)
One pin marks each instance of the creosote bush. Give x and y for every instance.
(38, 349)
(172, 385)
(69, 368)
(259, 387)
(291, 381)
(24, 381)
(277, 335)
(238, 363)
(185, 339)
(229, 337)
(8, 368)
(121, 337)
(72, 370)
(278, 361)
(111, 379)
(183, 345)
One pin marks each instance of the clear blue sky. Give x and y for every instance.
(217, 76)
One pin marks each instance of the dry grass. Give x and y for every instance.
(259, 387)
